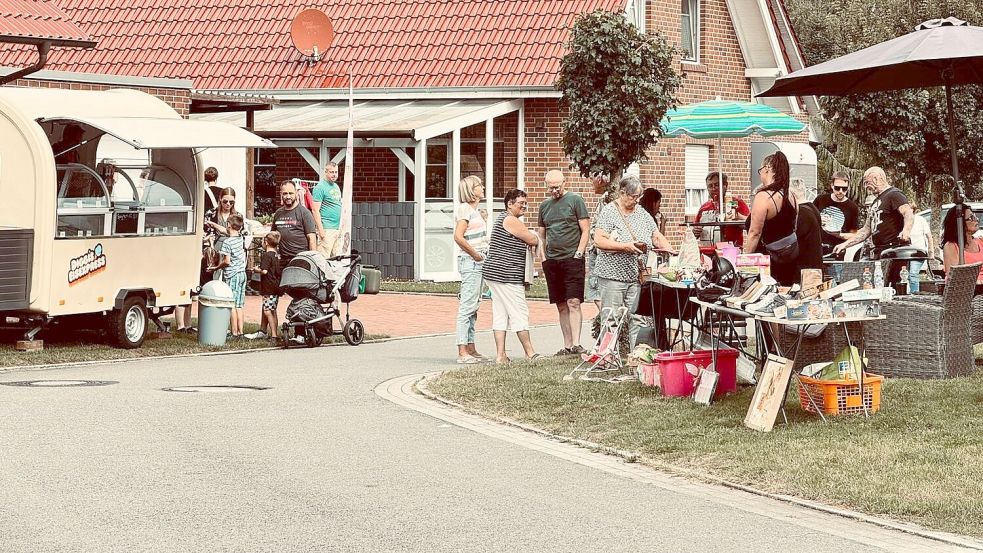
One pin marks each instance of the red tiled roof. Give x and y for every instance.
(38, 20)
(245, 44)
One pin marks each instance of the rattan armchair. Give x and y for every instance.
(926, 336)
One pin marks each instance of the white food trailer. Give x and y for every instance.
(108, 228)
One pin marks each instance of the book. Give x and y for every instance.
(840, 289)
(706, 386)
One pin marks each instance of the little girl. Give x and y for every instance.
(269, 267)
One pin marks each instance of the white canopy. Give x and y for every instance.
(160, 133)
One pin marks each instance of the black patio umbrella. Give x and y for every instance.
(941, 52)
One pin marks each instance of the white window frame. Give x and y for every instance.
(692, 20)
(695, 168)
(635, 13)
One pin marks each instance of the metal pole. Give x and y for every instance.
(957, 191)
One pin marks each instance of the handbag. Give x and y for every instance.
(644, 273)
(785, 250)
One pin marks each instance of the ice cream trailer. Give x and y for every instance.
(102, 206)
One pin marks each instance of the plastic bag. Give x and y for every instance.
(846, 366)
(689, 252)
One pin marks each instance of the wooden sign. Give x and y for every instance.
(769, 394)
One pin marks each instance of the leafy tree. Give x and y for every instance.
(904, 131)
(617, 84)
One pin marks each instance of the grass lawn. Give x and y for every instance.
(80, 346)
(919, 459)
(537, 290)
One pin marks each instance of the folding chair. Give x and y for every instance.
(603, 362)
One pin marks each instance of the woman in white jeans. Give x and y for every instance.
(623, 231)
(505, 271)
(470, 234)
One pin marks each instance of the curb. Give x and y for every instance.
(632, 457)
(70, 364)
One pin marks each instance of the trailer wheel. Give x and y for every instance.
(128, 325)
(354, 332)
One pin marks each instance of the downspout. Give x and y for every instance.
(43, 48)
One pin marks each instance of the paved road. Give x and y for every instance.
(320, 462)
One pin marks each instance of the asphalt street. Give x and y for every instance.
(320, 462)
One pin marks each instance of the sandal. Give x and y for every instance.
(505, 361)
(468, 360)
(536, 356)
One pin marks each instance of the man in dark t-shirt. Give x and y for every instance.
(295, 223)
(840, 215)
(889, 220)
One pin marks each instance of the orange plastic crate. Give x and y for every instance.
(841, 397)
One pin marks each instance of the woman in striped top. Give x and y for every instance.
(505, 271)
(470, 234)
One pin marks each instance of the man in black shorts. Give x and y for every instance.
(564, 228)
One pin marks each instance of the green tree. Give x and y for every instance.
(904, 131)
(617, 84)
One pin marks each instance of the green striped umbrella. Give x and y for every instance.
(728, 119)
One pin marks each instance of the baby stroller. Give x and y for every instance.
(315, 283)
(603, 362)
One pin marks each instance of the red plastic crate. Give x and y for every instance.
(676, 380)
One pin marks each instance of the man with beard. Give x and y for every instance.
(295, 223)
(840, 214)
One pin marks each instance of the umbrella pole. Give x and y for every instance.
(720, 184)
(957, 193)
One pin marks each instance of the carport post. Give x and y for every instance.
(419, 199)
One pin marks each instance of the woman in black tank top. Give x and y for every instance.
(773, 216)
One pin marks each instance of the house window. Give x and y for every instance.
(635, 13)
(265, 190)
(437, 171)
(690, 29)
(696, 169)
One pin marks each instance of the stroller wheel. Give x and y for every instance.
(354, 332)
(285, 335)
(311, 338)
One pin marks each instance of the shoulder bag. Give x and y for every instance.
(785, 250)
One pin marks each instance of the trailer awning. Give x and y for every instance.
(145, 133)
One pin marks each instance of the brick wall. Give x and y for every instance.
(177, 98)
(720, 72)
(376, 172)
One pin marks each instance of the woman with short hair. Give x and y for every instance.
(505, 271)
(470, 234)
(624, 232)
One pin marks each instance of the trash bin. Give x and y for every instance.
(215, 303)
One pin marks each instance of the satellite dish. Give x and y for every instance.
(311, 33)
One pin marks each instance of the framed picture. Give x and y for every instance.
(769, 394)
(705, 386)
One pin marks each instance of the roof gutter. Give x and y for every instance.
(43, 48)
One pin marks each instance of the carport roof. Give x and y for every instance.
(36, 21)
(417, 119)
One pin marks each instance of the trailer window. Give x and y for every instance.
(83, 204)
(167, 200)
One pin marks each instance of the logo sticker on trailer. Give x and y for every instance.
(86, 265)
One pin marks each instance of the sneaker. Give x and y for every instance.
(577, 350)
(297, 339)
(256, 335)
(767, 305)
(564, 351)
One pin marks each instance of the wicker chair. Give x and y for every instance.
(926, 336)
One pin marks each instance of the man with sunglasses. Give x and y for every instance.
(840, 215)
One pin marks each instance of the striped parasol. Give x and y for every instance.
(728, 119)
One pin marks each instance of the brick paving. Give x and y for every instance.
(400, 315)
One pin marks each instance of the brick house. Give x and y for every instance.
(443, 88)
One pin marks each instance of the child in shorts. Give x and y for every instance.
(269, 267)
(233, 265)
